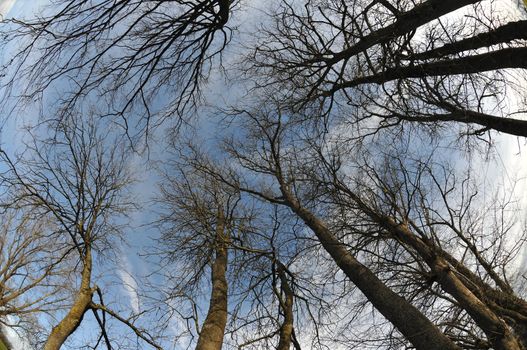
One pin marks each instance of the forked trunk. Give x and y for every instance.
(443, 266)
(497, 331)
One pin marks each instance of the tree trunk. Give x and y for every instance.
(497, 331)
(286, 304)
(213, 329)
(494, 327)
(406, 22)
(511, 126)
(413, 325)
(223, 13)
(494, 60)
(505, 33)
(4, 341)
(73, 319)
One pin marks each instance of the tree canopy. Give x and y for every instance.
(319, 174)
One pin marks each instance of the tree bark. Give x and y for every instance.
(414, 326)
(494, 60)
(503, 34)
(496, 330)
(213, 329)
(405, 23)
(286, 304)
(511, 126)
(223, 13)
(4, 341)
(74, 317)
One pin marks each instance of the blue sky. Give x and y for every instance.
(129, 266)
(127, 274)
(510, 153)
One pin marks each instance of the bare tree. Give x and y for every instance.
(204, 220)
(313, 180)
(268, 134)
(416, 227)
(290, 186)
(197, 230)
(31, 269)
(74, 180)
(286, 299)
(396, 62)
(124, 52)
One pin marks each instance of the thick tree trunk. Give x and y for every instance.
(511, 126)
(503, 34)
(405, 23)
(470, 296)
(4, 341)
(493, 60)
(414, 326)
(223, 13)
(497, 331)
(73, 319)
(286, 304)
(213, 329)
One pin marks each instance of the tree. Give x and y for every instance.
(74, 180)
(4, 342)
(415, 326)
(297, 215)
(416, 224)
(398, 62)
(127, 52)
(422, 62)
(309, 180)
(197, 229)
(204, 220)
(31, 265)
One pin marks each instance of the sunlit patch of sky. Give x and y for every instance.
(5, 7)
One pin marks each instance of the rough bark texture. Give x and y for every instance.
(286, 304)
(495, 328)
(494, 60)
(73, 319)
(510, 126)
(505, 33)
(213, 329)
(497, 331)
(414, 326)
(504, 302)
(406, 22)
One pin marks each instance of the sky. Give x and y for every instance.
(5, 10)
(129, 266)
(5, 6)
(511, 153)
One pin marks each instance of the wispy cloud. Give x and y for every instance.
(5, 6)
(129, 284)
(16, 340)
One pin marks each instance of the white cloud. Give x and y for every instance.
(16, 340)
(5, 7)
(129, 284)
